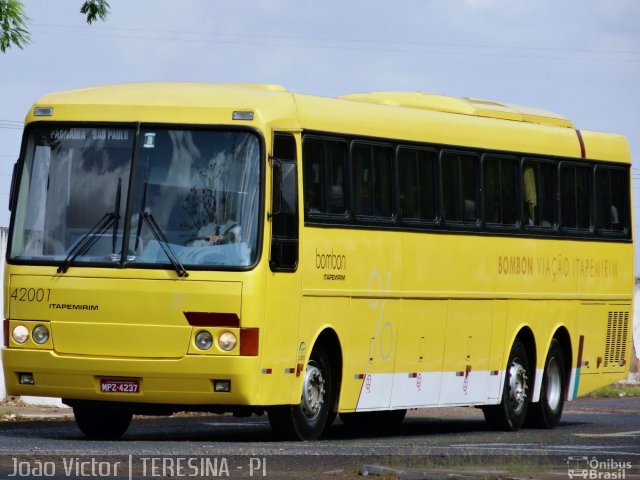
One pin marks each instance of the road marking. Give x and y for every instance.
(518, 448)
(609, 435)
(234, 424)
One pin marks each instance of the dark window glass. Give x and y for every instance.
(371, 173)
(459, 187)
(324, 176)
(575, 196)
(416, 169)
(612, 199)
(538, 190)
(284, 231)
(500, 177)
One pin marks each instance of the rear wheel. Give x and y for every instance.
(547, 412)
(512, 410)
(315, 413)
(102, 423)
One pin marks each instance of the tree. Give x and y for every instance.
(13, 25)
(13, 21)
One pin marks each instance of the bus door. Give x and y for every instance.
(280, 332)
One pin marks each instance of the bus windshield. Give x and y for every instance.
(192, 194)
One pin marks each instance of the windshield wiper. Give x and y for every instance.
(89, 239)
(145, 216)
(143, 207)
(116, 217)
(164, 243)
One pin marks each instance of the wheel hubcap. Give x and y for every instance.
(518, 386)
(554, 384)
(313, 392)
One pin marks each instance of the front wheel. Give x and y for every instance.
(102, 423)
(547, 412)
(315, 412)
(510, 414)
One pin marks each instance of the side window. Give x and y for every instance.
(612, 200)
(575, 196)
(324, 174)
(460, 187)
(284, 205)
(417, 178)
(539, 193)
(500, 190)
(371, 174)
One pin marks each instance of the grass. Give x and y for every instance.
(7, 414)
(489, 467)
(616, 390)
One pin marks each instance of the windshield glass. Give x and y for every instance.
(69, 182)
(201, 189)
(195, 192)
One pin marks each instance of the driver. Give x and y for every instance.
(222, 230)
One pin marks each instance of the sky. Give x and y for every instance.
(579, 58)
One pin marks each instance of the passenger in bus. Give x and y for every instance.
(368, 206)
(530, 194)
(470, 213)
(222, 230)
(614, 223)
(496, 215)
(312, 201)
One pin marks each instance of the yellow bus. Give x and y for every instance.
(240, 248)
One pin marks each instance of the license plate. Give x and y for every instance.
(118, 385)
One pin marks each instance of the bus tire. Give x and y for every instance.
(547, 412)
(511, 412)
(315, 412)
(102, 423)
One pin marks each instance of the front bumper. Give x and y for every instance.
(184, 381)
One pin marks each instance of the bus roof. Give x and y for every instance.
(464, 106)
(414, 116)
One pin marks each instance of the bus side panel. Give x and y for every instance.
(373, 334)
(278, 345)
(468, 343)
(602, 346)
(497, 358)
(420, 355)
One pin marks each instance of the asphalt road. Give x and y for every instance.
(597, 438)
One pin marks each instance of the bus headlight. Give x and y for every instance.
(204, 340)
(20, 334)
(40, 334)
(227, 341)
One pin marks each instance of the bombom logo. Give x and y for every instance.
(333, 262)
(594, 469)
